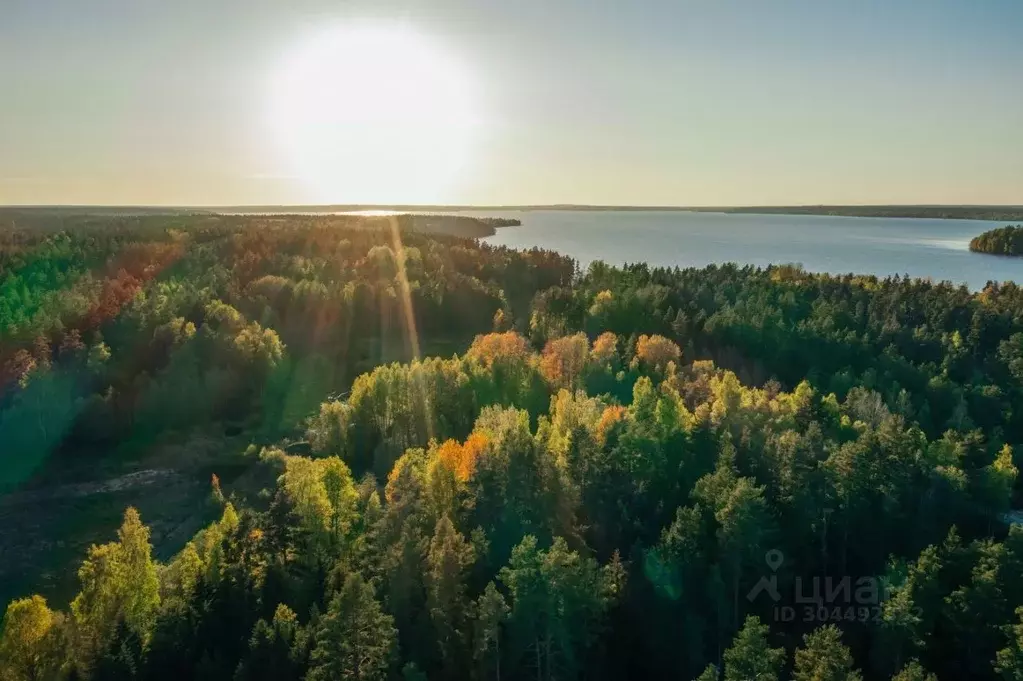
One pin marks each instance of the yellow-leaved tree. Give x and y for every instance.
(29, 640)
(119, 587)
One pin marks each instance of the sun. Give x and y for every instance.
(373, 114)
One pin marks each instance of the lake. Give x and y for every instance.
(935, 249)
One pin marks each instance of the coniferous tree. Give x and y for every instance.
(823, 657)
(449, 558)
(491, 614)
(355, 639)
(914, 672)
(751, 657)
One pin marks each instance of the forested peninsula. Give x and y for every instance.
(337, 447)
(1006, 240)
(994, 213)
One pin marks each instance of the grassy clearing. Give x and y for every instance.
(46, 530)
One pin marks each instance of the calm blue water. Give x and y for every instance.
(935, 249)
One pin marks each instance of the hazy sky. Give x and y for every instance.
(682, 102)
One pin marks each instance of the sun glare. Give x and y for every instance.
(373, 114)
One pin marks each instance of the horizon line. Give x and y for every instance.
(508, 207)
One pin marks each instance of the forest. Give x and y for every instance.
(1006, 240)
(424, 457)
(939, 212)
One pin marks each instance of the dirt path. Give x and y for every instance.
(122, 483)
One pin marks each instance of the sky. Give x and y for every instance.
(611, 102)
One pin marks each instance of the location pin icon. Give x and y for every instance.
(774, 559)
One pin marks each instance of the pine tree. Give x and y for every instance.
(914, 672)
(823, 657)
(558, 600)
(448, 561)
(750, 656)
(711, 673)
(278, 650)
(1009, 660)
(356, 640)
(491, 615)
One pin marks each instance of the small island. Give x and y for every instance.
(1006, 240)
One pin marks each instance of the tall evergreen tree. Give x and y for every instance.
(751, 657)
(356, 639)
(823, 657)
(491, 615)
(449, 558)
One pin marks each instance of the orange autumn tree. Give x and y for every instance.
(494, 347)
(564, 359)
(608, 420)
(657, 351)
(462, 458)
(604, 348)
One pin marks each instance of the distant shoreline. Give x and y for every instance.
(953, 212)
(988, 213)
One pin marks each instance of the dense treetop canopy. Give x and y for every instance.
(474, 463)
